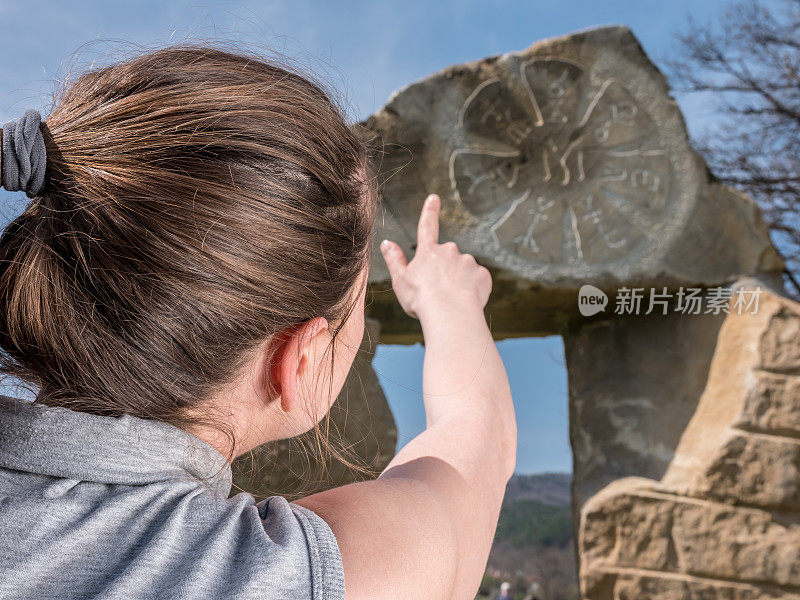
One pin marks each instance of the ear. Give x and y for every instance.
(293, 357)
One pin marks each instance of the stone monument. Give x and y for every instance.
(567, 165)
(560, 165)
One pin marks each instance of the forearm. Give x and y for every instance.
(464, 377)
(466, 455)
(471, 427)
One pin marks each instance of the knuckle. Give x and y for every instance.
(450, 246)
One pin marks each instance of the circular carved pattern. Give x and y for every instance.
(573, 174)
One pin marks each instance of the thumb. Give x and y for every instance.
(394, 257)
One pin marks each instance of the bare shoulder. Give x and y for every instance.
(395, 536)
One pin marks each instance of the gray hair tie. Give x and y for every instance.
(24, 156)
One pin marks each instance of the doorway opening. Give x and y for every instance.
(534, 548)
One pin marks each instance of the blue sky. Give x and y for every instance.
(366, 50)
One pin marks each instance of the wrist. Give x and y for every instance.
(449, 309)
(454, 321)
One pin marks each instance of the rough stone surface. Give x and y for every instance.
(724, 451)
(755, 469)
(637, 528)
(780, 350)
(360, 418)
(770, 404)
(634, 383)
(563, 164)
(724, 519)
(641, 587)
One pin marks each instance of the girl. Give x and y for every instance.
(188, 283)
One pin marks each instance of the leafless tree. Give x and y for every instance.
(748, 63)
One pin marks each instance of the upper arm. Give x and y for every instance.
(396, 537)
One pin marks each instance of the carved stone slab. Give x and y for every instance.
(561, 164)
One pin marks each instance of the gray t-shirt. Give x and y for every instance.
(104, 507)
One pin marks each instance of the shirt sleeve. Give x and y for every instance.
(325, 559)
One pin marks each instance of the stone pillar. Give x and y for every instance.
(724, 519)
(634, 384)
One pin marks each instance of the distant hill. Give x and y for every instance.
(547, 488)
(533, 544)
(537, 511)
(531, 524)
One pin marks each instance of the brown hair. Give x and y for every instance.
(197, 201)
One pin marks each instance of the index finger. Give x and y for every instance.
(428, 226)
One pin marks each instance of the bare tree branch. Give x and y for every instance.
(748, 64)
